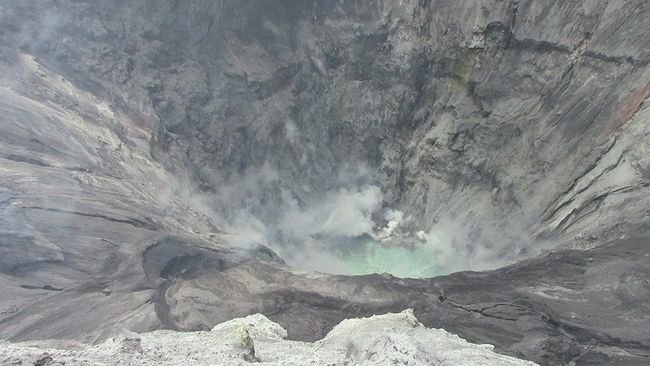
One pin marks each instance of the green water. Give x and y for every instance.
(366, 256)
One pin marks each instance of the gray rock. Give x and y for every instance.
(383, 339)
(132, 134)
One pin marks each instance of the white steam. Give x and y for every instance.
(344, 213)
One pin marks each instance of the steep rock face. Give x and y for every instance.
(509, 122)
(506, 128)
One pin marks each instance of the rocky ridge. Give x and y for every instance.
(378, 340)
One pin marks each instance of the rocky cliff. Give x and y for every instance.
(153, 151)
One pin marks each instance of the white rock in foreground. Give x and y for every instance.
(391, 339)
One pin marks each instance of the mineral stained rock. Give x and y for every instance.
(390, 339)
